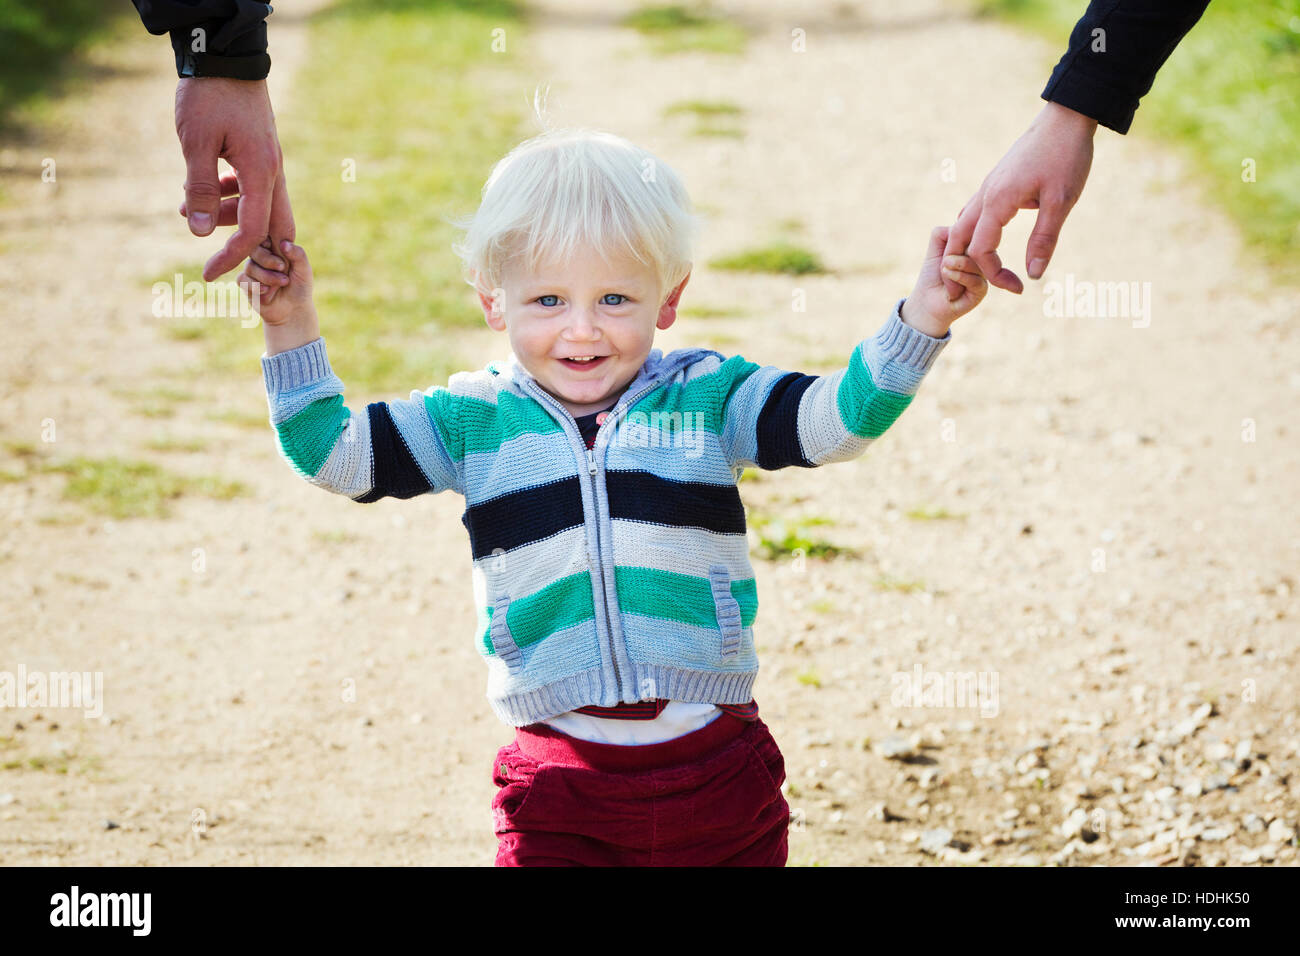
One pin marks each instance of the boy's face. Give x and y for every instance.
(582, 307)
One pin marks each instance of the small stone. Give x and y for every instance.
(932, 841)
(110, 825)
(1074, 823)
(1251, 823)
(880, 813)
(6, 799)
(894, 747)
(1215, 781)
(1215, 834)
(1280, 832)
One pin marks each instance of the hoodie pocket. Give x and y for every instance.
(727, 609)
(502, 642)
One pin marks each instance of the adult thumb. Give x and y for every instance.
(202, 193)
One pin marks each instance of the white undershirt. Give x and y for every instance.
(679, 717)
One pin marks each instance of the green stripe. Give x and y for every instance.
(866, 410)
(485, 426)
(685, 598)
(698, 396)
(307, 438)
(560, 604)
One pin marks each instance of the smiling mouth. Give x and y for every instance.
(571, 363)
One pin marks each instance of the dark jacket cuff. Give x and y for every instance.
(1107, 106)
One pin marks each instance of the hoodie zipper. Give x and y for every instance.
(591, 471)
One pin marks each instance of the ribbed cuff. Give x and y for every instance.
(899, 342)
(296, 367)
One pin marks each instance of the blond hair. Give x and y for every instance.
(579, 186)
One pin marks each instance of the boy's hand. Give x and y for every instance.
(282, 283)
(928, 309)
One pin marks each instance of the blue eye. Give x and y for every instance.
(607, 295)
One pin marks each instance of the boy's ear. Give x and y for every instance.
(493, 308)
(668, 311)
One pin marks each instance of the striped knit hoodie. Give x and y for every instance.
(616, 573)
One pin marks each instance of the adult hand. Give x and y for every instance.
(1045, 169)
(232, 119)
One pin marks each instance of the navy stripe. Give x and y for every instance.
(778, 424)
(524, 516)
(396, 475)
(642, 496)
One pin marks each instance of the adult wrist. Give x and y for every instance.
(1063, 115)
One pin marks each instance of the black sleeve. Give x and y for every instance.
(232, 41)
(1139, 36)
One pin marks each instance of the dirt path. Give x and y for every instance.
(1124, 556)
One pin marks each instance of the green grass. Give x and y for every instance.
(780, 257)
(710, 312)
(713, 117)
(934, 514)
(897, 584)
(809, 678)
(1229, 92)
(779, 538)
(704, 108)
(41, 45)
(423, 108)
(678, 28)
(168, 444)
(134, 489)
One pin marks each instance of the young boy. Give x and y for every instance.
(611, 572)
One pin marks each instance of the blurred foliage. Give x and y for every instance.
(680, 29)
(779, 257)
(38, 41)
(1230, 92)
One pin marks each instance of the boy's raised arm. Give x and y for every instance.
(773, 418)
(395, 449)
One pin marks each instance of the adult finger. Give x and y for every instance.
(229, 187)
(959, 236)
(984, 244)
(282, 224)
(229, 214)
(254, 213)
(202, 189)
(1042, 241)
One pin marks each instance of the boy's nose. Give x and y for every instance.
(583, 326)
